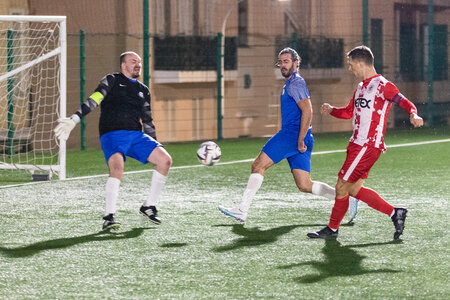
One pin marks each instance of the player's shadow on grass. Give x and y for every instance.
(256, 237)
(61, 243)
(173, 245)
(339, 261)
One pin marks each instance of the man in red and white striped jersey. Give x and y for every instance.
(369, 109)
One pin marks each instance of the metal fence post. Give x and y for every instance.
(219, 85)
(82, 91)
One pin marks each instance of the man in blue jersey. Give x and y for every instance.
(126, 129)
(293, 142)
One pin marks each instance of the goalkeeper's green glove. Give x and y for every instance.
(65, 126)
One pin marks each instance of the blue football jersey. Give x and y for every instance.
(294, 90)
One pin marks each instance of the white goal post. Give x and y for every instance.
(33, 72)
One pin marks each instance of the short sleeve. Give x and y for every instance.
(298, 90)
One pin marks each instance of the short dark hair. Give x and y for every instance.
(292, 52)
(362, 53)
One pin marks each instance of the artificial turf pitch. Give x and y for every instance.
(52, 246)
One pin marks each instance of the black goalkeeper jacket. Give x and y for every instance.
(124, 104)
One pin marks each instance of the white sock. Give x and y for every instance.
(157, 185)
(253, 185)
(111, 194)
(323, 189)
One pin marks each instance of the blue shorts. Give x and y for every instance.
(284, 144)
(134, 144)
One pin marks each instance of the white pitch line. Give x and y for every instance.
(419, 143)
(221, 164)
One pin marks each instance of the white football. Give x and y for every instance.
(209, 153)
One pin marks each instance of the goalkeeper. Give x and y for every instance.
(126, 129)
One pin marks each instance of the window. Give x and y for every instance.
(181, 53)
(185, 17)
(408, 52)
(163, 17)
(376, 43)
(243, 23)
(316, 52)
(195, 18)
(167, 18)
(209, 18)
(413, 43)
(414, 52)
(289, 25)
(440, 42)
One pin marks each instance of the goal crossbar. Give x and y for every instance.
(23, 18)
(30, 64)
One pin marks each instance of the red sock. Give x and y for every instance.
(374, 200)
(337, 214)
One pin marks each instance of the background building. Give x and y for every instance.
(183, 56)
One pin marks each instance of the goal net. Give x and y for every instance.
(32, 94)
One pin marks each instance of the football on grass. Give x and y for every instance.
(209, 153)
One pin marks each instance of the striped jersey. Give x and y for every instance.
(369, 108)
